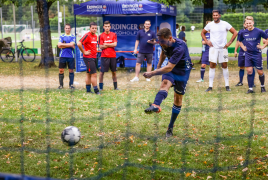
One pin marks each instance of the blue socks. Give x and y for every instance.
(96, 89)
(202, 72)
(175, 112)
(262, 80)
(241, 75)
(250, 80)
(160, 96)
(71, 76)
(101, 86)
(88, 88)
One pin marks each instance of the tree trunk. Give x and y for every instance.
(47, 58)
(208, 8)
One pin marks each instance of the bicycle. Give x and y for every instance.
(27, 54)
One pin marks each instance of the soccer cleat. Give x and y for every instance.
(100, 89)
(60, 87)
(250, 91)
(71, 87)
(90, 92)
(263, 89)
(209, 89)
(135, 79)
(239, 84)
(117, 89)
(153, 108)
(147, 79)
(169, 132)
(228, 88)
(200, 80)
(98, 93)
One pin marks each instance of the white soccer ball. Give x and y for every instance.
(70, 136)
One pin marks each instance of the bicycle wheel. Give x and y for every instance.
(7, 55)
(28, 55)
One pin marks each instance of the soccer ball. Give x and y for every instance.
(70, 136)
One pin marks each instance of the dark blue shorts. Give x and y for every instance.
(241, 61)
(179, 82)
(205, 58)
(253, 60)
(66, 61)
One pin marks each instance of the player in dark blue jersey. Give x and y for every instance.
(175, 74)
(67, 45)
(250, 42)
(264, 41)
(205, 56)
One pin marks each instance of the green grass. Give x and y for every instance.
(213, 130)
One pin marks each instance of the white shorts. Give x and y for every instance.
(218, 54)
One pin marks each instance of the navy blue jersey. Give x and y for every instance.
(266, 32)
(67, 52)
(238, 36)
(178, 54)
(205, 46)
(181, 35)
(252, 38)
(143, 37)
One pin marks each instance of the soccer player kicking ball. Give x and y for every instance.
(251, 38)
(175, 74)
(241, 58)
(108, 41)
(218, 47)
(67, 45)
(204, 59)
(89, 41)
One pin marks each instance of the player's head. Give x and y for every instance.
(177, 26)
(165, 37)
(93, 27)
(245, 24)
(250, 22)
(183, 28)
(107, 26)
(216, 15)
(67, 28)
(147, 24)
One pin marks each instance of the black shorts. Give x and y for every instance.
(66, 61)
(91, 65)
(141, 57)
(107, 63)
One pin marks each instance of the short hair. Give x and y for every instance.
(147, 21)
(250, 18)
(164, 32)
(106, 22)
(183, 27)
(68, 25)
(92, 24)
(216, 11)
(177, 24)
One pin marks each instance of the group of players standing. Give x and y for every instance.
(250, 54)
(177, 72)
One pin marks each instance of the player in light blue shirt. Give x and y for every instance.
(250, 42)
(67, 45)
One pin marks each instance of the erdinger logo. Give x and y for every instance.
(104, 6)
(140, 5)
(125, 6)
(171, 8)
(163, 6)
(94, 6)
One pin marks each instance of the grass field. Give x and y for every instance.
(218, 135)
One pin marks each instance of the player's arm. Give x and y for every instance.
(114, 44)
(79, 44)
(264, 44)
(264, 41)
(236, 47)
(136, 46)
(234, 32)
(203, 35)
(242, 46)
(204, 42)
(161, 60)
(66, 45)
(160, 71)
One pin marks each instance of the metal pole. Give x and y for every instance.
(59, 30)
(1, 24)
(14, 19)
(32, 25)
(243, 14)
(64, 14)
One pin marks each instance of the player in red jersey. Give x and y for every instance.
(89, 41)
(108, 42)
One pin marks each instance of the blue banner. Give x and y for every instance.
(79, 63)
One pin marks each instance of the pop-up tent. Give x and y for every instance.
(127, 18)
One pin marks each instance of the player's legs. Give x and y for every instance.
(62, 65)
(213, 57)
(101, 80)
(223, 58)
(149, 59)
(241, 64)
(113, 67)
(88, 82)
(258, 63)
(105, 64)
(71, 66)
(140, 59)
(204, 62)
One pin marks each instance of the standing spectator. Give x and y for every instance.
(89, 41)
(182, 34)
(192, 28)
(145, 38)
(67, 44)
(108, 42)
(177, 30)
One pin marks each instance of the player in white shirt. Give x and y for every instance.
(192, 28)
(218, 46)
